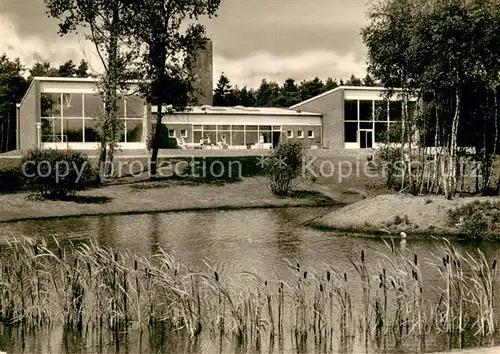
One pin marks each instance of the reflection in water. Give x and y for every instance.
(260, 241)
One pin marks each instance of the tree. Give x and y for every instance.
(330, 84)
(67, 69)
(169, 53)
(447, 54)
(268, 94)
(290, 93)
(311, 88)
(12, 89)
(224, 94)
(245, 97)
(354, 81)
(82, 69)
(42, 69)
(109, 25)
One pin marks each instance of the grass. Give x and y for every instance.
(478, 220)
(86, 287)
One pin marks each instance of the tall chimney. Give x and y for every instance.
(203, 75)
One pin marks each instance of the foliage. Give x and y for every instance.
(447, 55)
(12, 88)
(11, 180)
(284, 166)
(479, 220)
(57, 173)
(224, 92)
(165, 142)
(109, 29)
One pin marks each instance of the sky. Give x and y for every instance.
(252, 39)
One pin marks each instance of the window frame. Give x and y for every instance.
(310, 134)
(289, 134)
(300, 134)
(171, 135)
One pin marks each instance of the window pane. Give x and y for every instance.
(209, 127)
(395, 133)
(251, 127)
(237, 127)
(395, 110)
(267, 137)
(171, 133)
(265, 127)
(365, 110)
(223, 127)
(252, 138)
(277, 127)
(237, 138)
(381, 110)
(289, 133)
(350, 132)
(197, 127)
(73, 130)
(93, 105)
(197, 136)
(350, 110)
(135, 106)
(121, 107)
(380, 132)
(134, 130)
(51, 130)
(365, 125)
(310, 133)
(91, 131)
(50, 104)
(210, 135)
(300, 134)
(412, 105)
(72, 105)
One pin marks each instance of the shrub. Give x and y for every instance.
(10, 180)
(165, 141)
(57, 173)
(476, 220)
(284, 166)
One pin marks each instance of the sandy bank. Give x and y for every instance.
(395, 213)
(124, 199)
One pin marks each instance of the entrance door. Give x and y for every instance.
(276, 139)
(366, 139)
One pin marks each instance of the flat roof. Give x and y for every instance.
(339, 88)
(73, 79)
(241, 110)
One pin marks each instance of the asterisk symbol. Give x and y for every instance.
(262, 161)
(281, 162)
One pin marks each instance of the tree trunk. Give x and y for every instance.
(156, 140)
(452, 166)
(7, 138)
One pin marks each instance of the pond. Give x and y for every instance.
(271, 243)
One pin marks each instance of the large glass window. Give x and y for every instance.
(50, 104)
(365, 110)
(72, 105)
(237, 138)
(381, 113)
(134, 130)
(121, 107)
(251, 137)
(93, 105)
(350, 110)
(380, 132)
(135, 106)
(395, 110)
(73, 130)
(350, 132)
(91, 131)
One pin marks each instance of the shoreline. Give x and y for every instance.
(162, 197)
(180, 210)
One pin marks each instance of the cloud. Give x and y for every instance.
(54, 49)
(251, 70)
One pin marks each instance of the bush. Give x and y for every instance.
(11, 180)
(477, 220)
(284, 166)
(57, 173)
(165, 141)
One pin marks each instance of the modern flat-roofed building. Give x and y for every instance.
(356, 117)
(63, 113)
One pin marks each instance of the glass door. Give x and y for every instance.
(366, 139)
